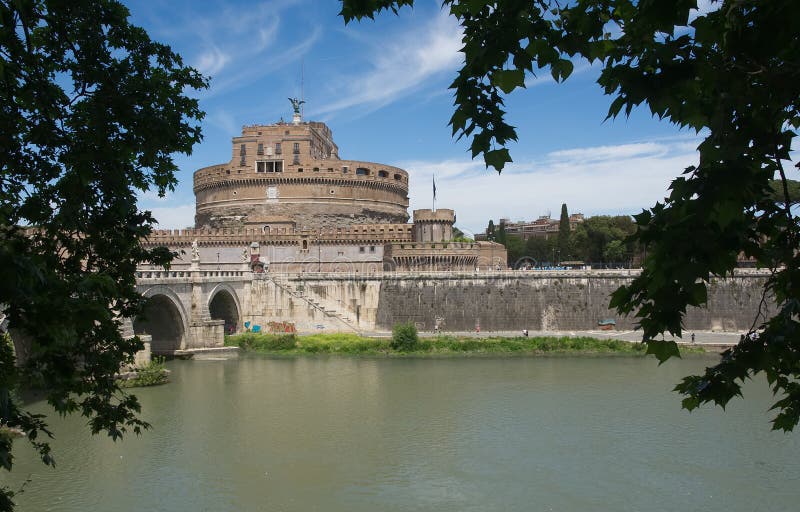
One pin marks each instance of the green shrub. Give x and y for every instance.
(152, 374)
(404, 337)
(263, 342)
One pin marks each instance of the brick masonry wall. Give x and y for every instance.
(545, 301)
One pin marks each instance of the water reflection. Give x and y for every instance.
(424, 434)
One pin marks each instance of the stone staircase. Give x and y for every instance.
(326, 307)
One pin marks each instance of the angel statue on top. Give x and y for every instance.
(296, 102)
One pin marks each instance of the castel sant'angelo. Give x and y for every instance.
(286, 202)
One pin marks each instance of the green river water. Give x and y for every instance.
(455, 434)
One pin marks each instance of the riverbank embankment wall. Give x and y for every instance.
(502, 301)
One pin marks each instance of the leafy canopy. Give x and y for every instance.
(91, 111)
(732, 74)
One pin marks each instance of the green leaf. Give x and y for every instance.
(561, 69)
(497, 158)
(508, 79)
(662, 349)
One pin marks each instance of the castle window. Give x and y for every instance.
(265, 230)
(243, 149)
(296, 150)
(277, 148)
(260, 150)
(383, 174)
(371, 248)
(300, 170)
(316, 169)
(305, 245)
(269, 166)
(398, 177)
(361, 249)
(361, 171)
(344, 169)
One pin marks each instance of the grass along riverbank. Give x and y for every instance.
(438, 345)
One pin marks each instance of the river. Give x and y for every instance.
(455, 434)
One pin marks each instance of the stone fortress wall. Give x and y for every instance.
(495, 301)
(357, 248)
(291, 175)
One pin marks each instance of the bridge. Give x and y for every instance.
(190, 309)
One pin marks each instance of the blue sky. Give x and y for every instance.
(381, 86)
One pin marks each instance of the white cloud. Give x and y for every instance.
(212, 61)
(704, 7)
(596, 180)
(234, 47)
(601, 153)
(249, 73)
(224, 120)
(152, 196)
(174, 217)
(402, 65)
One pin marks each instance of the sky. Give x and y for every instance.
(382, 88)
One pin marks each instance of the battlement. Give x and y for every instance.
(374, 233)
(444, 256)
(356, 171)
(441, 215)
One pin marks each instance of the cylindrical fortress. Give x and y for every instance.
(290, 176)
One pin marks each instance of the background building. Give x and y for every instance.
(543, 227)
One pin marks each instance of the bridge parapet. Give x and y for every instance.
(222, 275)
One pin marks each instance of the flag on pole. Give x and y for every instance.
(434, 193)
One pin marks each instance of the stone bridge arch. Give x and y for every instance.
(223, 304)
(164, 318)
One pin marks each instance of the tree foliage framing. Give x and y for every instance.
(90, 114)
(731, 74)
